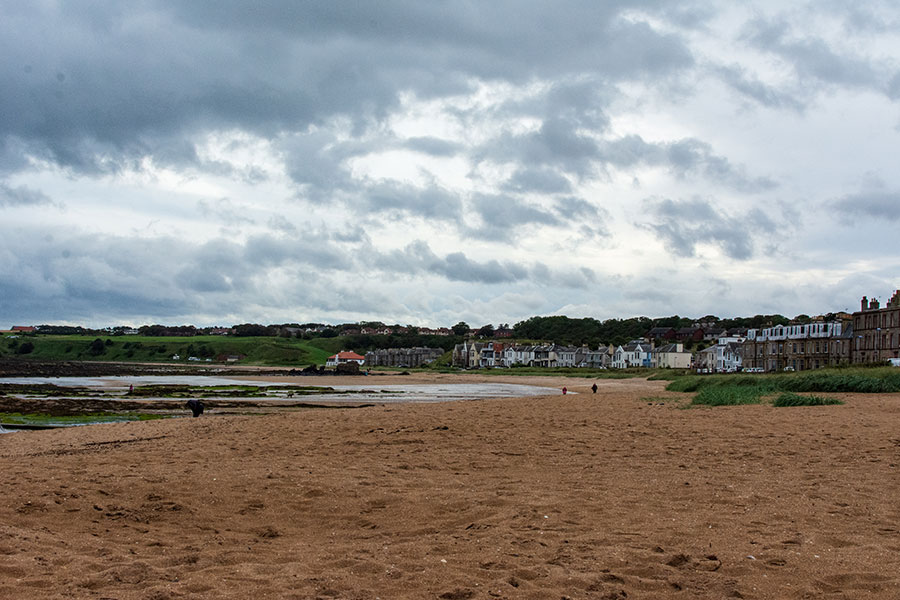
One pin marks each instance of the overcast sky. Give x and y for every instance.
(430, 162)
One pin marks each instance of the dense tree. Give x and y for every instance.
(461, 328)
(486, 332)
(254, 330)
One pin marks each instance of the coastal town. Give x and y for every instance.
(870, 335)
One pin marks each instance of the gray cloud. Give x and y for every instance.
(813, 59)
(681, 225)
(433, 146)
(683, 157)
(557, 144)
(752, 88)
(419, 258)
(22, 196)
(500, 216)
(432, 202)
(281, 116)
(579, 209)
(154, 76)
(541, 181)
(878, 204)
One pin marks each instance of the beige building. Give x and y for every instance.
(671, 356)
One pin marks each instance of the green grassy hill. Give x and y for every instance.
(267, 351)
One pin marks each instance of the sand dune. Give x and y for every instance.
(615, 495)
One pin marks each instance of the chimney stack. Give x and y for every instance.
(865, 303)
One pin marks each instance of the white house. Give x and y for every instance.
(632, 354)
(344, 356)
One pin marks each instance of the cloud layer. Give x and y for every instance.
(425, 163)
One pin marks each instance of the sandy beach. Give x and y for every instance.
(622, 494)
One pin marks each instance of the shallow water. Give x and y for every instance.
(370, 392)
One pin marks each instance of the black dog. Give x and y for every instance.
(196, 407)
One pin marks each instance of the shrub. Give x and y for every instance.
(843, 382)
(25, 348)
(97, 347)
(792, 399)
(724, 395)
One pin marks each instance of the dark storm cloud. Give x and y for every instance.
(880, 204)
(94, 87)
(681, 225)
(22, 196)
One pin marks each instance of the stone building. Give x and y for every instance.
(876, 330)
(402, 357)
(797, 347)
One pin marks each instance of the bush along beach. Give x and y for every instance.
(725, 390)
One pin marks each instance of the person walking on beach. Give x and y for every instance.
(564, 391)
(594, 388)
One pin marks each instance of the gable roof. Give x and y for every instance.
(347, 355)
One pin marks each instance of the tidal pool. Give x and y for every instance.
(371, 391)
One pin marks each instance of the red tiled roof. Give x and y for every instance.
(346, 355)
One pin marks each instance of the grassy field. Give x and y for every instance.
(266, 351)
(723, 390)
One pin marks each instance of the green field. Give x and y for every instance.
(264, 351)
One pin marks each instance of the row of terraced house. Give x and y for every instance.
(870, 335)
(638, 353)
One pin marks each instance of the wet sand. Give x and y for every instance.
(616, 495)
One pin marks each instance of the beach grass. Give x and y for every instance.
(729, 395)
(721, 390)
(792, 399)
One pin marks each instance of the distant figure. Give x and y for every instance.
(131, 389)
(594, 388)
(196, 407)
(565, 391)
